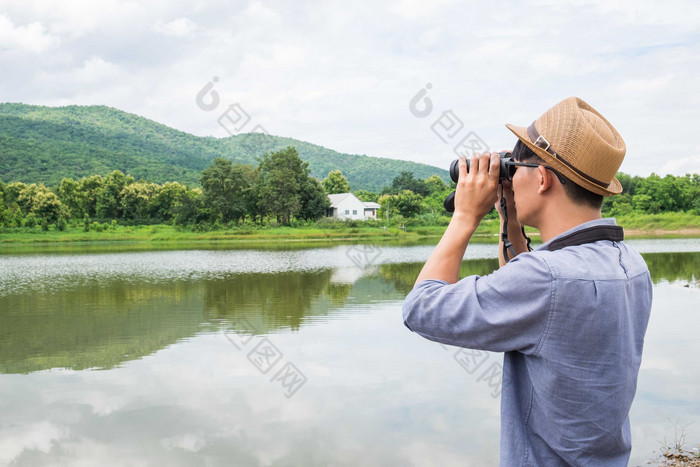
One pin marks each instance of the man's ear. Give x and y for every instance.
(545, 179)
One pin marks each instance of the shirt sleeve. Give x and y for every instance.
(503, 311)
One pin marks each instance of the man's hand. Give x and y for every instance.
(475, 194)
(476, 190)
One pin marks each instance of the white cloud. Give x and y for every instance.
(31, 37)
(94, 70)
(181, 27)
(342, 75)
(190, 442)
(92, 77)
(76, 18)
(681, 166)
(258, 12)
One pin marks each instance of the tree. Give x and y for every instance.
(280, 178)
(387, 205)
(435, 184)
(48, 207)
(655, 194)
(10, 213)
(617, 205)
(406, 181)
(314, 201)
(188, 207)
(4, 212)
(37, 201)
(438, 189)
(16, 193)
(247, 175)
(366, 196)
(89, 187)
(645, 203)
(408, 203)
(71, 197)
(336, 182)
(136, 199)
(161, 206)
(109, 202)
(628, 182)
(226, 189)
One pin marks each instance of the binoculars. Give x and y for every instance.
(506, 173)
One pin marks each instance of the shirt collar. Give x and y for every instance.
(585, 225)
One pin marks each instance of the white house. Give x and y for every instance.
(349, 206)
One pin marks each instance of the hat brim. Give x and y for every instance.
(614, 188)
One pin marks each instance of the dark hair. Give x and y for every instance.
(576, 193)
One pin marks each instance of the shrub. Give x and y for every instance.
(330, 223)
(30, 221)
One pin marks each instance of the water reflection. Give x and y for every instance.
(96, 325)
(673, 266)
(271, 301)
(105, 322)
(178, 393)
(403, 276)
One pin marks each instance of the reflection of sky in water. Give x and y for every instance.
(397, 398)
(22, 272)
(667, 389)
(376, 394)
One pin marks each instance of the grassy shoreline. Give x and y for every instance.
(670, 225)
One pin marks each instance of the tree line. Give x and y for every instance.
(278, 190)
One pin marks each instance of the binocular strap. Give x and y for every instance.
(507, 245)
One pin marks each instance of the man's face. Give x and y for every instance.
(524, 194)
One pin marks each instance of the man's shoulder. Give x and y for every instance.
(598, 260)
(531, 265)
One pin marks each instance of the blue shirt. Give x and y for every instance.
(571, 323)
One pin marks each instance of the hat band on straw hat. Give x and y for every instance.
(542, 143)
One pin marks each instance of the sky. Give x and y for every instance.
(369, 77)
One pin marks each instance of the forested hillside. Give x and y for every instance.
(46, 144)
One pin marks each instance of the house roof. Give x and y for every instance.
(338, 197)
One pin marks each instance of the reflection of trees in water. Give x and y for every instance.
(404, 275)
(267, 301)
(102, 325)
(95, 325)
(338, 293)
(662, 266)
(673, 266)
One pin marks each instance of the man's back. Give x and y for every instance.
(571, 323)
(573, 394)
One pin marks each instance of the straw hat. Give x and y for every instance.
(574, 139)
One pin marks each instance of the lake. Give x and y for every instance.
(281, 357)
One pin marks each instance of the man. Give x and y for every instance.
(570, 315)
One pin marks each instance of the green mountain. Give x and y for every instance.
(45, 144)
